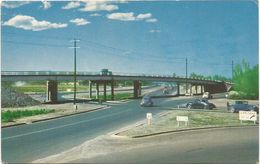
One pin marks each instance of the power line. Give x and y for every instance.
(130, 51)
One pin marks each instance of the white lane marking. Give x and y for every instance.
(62, 126)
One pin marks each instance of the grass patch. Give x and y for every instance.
(8, 116)
(197, 119)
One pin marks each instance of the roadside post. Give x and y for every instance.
(182, 119)
(75, 107)
(149, 117)
(247, 116)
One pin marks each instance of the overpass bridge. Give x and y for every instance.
(52, 77)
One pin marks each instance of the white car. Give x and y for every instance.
(146, 101)
(207, 95)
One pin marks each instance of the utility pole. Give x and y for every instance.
(75, 67)
(186, 60)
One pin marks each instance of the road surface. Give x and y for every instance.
(26, 143)
(227, 145)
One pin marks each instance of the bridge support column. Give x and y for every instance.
(196, 89)
(202, 89)
(90, 89)
(137, 89)
(178, 89)
(97, 90)
(190, 89)
(52, 91)
(112, 90)
(105, 91)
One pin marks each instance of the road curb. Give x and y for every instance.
(6, 126)
(192, 129)
(46, 119)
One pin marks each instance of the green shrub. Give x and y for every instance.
(8, 116)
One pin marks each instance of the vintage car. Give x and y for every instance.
(241, 105)
(146, 101)
(198, 104)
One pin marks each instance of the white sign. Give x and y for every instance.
(183, 119)
(149, 115)
(247, 116)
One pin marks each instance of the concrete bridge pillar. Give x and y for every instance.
(202, 89)
(137, 89)
(105, 91)
(196, 89)
(112, 90)
(52, 91)
(178, 89)
(97, 90)
(90, 89)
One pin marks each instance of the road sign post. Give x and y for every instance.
(247, 116)
(182, 119)
(149, 117)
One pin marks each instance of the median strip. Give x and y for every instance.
(199, 119)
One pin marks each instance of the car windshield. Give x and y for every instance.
(204, 100)
(241, 102)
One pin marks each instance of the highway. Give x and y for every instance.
(225, 145)
(30, 142)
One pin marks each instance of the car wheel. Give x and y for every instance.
(206, 107)
(232, 110)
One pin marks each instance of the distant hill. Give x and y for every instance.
(11, 98)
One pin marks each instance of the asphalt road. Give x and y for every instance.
(227, 145)
(30, 142)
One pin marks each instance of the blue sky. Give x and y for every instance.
(130, 36)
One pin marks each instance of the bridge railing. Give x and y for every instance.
(95, 73)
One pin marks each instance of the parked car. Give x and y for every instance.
(207, 95)
(146, 101)
(198, 104)
(243, 106)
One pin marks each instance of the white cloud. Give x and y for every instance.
(155, 31)
(95, 15)
(46, 4)
(131, 17)
(152, 20)
(30, 23)
(144, 16)
(13, 4)
(99, 6)
(71, 5)
(80, 21)
(122, 16)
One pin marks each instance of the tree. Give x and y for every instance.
(246, 80)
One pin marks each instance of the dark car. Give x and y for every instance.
(146, 101)
(243, 106)
(198, 104)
